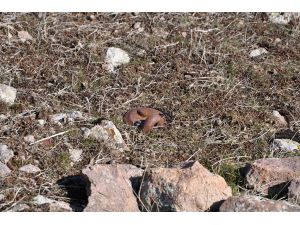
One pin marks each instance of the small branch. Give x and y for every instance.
(52, 136)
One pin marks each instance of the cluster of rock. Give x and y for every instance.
(191, 187)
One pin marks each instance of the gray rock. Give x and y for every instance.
(7, 94)
(58, 118)
(258, 52)
(75, 154)
(29, 139)
(294, 192)
(279, 119)
(24, 36)
(270, 175)
(189, 188)
(115, 57)
(256, 204)
(107, 133)
(19, 208)
(5, 153)
(282, 18)
(4, 170)
(54, 206)
(286, 145)
(40, 200)
(29, 169)
(2, 197)
(111, 188)
(41, 122)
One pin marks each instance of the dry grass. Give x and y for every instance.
(195, 67)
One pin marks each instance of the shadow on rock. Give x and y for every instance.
(78, 190)
(278, 191)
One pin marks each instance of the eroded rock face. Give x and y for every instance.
(111, 188)
(190, 188)
(294, 192)
(256, 204)
(7, 94)
(107, 133)
(270, 175)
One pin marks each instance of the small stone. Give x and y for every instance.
(256, 204)
(58, 118)
(257, 52)
(269, 176)
(41, 122)
(60, 206)
(280, 18)
(277, 41)
(29, 169)
(91, 17)
(184, 34)
(75, 155)
(40, 200)
(5, 153)
(4, 170)
(286, 145)
(19, 208)
(7, 94)
(3, 117)
(108, 133)
(138, 27)
(85, 132)
(2, 197)
(54, 206)
(115, 57)
(279, 119)
(24, 36)
(76, 115)
(294, 192)
(29, 139)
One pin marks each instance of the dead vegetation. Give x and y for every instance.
(194, 67)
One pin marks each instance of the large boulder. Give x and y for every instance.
(111, 187)
(256, 204)
(188, 188)
(271, 175)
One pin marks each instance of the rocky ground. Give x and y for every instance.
(228, 84)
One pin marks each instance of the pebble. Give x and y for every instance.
(29, 169)
(286, 145)
(41, 122)
(2, 197)
(257, 52)
(7, 94)
(115, 57)
(19, 208)
(280, 18)
(24, 36)
(4, 170)
(29, 139)
(5, 153)
(279, 118)
(75, 154)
